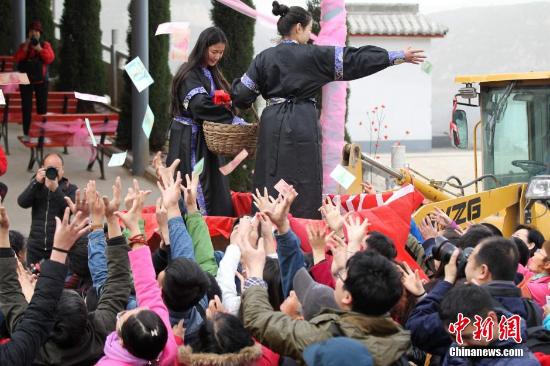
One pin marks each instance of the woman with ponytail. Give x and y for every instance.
(193, 88)
(288, 77)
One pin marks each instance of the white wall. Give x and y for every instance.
(406, 92)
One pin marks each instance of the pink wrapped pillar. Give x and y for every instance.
(333, 114)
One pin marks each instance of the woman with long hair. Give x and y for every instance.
(193, 87)
(288, 76)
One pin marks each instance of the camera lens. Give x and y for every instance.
(443, 249)
(51, 173)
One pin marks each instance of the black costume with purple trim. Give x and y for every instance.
(288, 76)
(188, 144)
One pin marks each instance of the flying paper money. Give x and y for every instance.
(89, 128)
(2, 100)
(228, 168)
(342, 176)
(7, 78)
(198, 168)
(91, 97)
(171, 27)
(148, 121)
(282, 187)
(118, 159)
(138, 73)
(427, 67)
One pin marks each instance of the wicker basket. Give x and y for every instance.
(229, 140)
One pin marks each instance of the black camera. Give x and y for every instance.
(443, 250)
(34, 41)
(51, 173)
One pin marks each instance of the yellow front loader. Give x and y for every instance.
(515, 134)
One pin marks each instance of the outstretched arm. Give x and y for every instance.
(38, 320)
(245, 90)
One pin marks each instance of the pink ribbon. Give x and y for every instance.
(333, 113)
(244, 9)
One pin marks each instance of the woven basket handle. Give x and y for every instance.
(255, 113)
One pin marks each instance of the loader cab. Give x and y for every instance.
(515, 125)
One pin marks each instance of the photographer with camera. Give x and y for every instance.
(491, 264)
(46, 196)
(33, 58)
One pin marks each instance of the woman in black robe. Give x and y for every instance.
(289, 76)
(193, 87)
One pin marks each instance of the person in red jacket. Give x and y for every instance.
(33, 58)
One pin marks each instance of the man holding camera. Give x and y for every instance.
(33, 58)
(46, 196)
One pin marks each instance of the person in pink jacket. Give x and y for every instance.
(143, 335)
(537, 275)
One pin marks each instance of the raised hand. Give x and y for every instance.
(411, 280)
(67, 233)
(441, 218)
(243, 228)
(113, 205)
(97, 211)
(357, 231)
(80, 204)
(331, 215)
(317, 239)
(170, 190)
(368, 188)
(132, 194)
(133, 215)
(253, 258)
(414, 56)
(157, 162)
(278, 214)
(267, 232)
(163, 172)
(427, 229)
(339, 252)
(162, 219)
(263, 202)
(190, 192)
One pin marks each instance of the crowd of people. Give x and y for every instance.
(88, 286)
(101, 295)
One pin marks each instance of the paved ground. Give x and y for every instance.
(438, 164)
(18, 177)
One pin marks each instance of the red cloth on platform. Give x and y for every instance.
(242, 203)
(220, 225)
(391, 219)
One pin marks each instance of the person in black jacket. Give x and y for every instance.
(78, 336)
(37, 320)
(46, 196)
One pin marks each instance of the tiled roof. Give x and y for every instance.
(391, 20)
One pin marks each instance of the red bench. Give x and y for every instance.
(58, 102)
(7, 63)
(62, 130)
